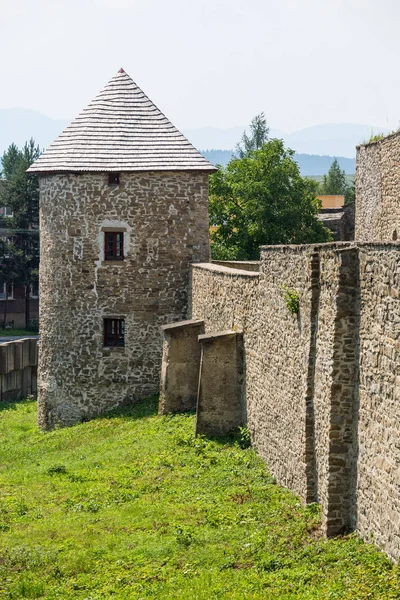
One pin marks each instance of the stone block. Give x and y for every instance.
(18, 354)
(25, 352)
(220, 400)
(33, 352)
(10, 356)
(3, 359)
(180, 366)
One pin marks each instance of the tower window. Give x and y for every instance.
(113, 179)
(113, 245)
(114, 333)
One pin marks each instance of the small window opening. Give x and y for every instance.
(114, 333)
(394, 236)
(114, 245)
(113, 179)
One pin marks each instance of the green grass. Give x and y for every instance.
(133, 506)
(12, 332)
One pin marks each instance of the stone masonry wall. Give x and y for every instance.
(164, 217)
(378, 190)
(323, 387)
(378, 477)
(335, 375)
(276, 350)
(280, 391)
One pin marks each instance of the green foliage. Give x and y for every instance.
(350, 193)
(262, 199)
(133, 506)
(376, 137)
(20, 192)
(244, 437)
(292, 299)
(259, 131)
(335, 181)
(12, 332)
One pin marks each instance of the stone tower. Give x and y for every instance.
(123, 213)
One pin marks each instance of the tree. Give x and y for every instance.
(262, 199)
(20, 192)
(350, 193)
(335, 180)
(259, 131)
(12, 266)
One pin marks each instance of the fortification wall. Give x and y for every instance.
(276, 350)
(279, 384)
(333, 396)
(378, 190)
(323, 386)
(164, 217)
(378, 464)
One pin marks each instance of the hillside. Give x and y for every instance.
(315, 146)
(310, 165)
(133, 506)
(18, 125)
(331, 139)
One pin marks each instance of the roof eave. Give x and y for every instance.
(64, 171)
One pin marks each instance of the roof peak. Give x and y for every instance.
(121, 130)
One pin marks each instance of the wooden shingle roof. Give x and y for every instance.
(121, 130)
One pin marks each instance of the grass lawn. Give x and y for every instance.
(11, 332)
(132, 506)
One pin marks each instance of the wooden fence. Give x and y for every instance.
(18, 369)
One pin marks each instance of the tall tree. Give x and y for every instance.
(262, 199)
(20, 192)
(12, 267)
(259, 131)
(334, 182)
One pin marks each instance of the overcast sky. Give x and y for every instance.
(208, 62)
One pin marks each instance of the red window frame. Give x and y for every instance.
(114, 333)
(113, 245)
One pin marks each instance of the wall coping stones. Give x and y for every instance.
(227, 270)
(182, 324)
(209, 337)
(307, 248)
(243, 265)
(380, 141)
(330, 246)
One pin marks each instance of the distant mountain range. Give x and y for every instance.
(315, 146)
(18, 125)
(338, 139)
(309, 164)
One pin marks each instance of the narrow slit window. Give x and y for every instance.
(113, 179)
(114, 333)
(114, 245)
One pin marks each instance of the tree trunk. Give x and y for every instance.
(27, 306)
(5, 308)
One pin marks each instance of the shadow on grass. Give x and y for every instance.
(146, 407)
(14, 404)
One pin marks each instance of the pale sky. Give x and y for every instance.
(208, 62)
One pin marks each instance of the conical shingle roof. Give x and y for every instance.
(121, 130)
